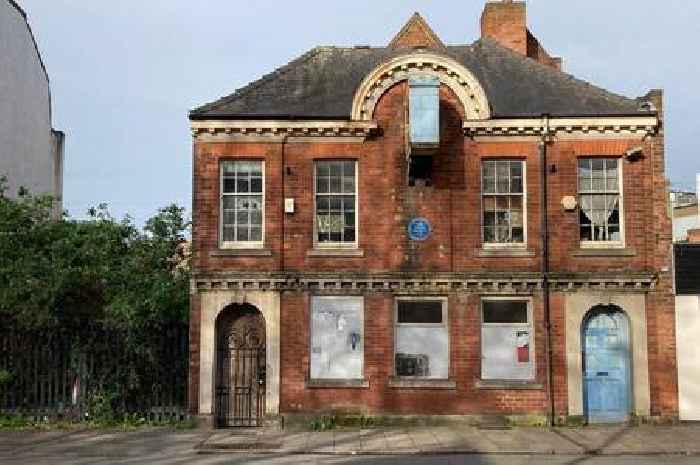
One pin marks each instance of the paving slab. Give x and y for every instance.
(320, 443)
(373, 440)
(424, 438)
(132, 446)
(400, 441)
(347, 442)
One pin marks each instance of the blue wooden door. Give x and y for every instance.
(606, 356)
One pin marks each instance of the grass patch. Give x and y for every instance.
(19, 422)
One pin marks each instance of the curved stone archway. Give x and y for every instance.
(451, 73)
(214, 304)
(605, 339)
(240, 367)
(578, 305)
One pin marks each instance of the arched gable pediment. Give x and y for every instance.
(451, 73)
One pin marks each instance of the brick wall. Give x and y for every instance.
(506, 23)
(465, 365)
(453, 206)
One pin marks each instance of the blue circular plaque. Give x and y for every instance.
(419, 229)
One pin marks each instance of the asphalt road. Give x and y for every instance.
(175, 448)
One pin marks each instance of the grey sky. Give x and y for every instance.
(124, 73)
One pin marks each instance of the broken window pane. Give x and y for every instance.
(502, 190)
(335, 201)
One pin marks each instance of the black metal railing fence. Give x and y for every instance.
(93, 370)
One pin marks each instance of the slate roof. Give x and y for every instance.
(322, 83)
(687, 265)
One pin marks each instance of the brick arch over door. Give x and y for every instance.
(451, 73)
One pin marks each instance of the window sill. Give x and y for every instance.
(604, 252)
(337, 384)
(335, 253)
(241, 253)
(509, 385)
(504, 252)
(418, 383)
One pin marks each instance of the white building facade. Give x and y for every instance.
(31, 151)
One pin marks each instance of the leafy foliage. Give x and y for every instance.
(63, 276)
(68, 272)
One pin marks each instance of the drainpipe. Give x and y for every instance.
(545, 264)
(284, 215)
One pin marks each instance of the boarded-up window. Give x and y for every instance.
(424, 110)
(337, 345)
(422, 342)
(506, 340)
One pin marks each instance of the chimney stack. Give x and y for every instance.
(505, 21)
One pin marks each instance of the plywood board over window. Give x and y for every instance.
(337, 338)
(507, 340)
(421, 338)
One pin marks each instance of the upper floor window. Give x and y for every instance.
(242, 203)
(336, 203)
(599, 197)
(503, 202)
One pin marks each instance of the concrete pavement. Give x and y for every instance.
(611, 440)
(429, 446)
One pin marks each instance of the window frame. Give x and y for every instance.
(361, 298)
(445, 324)
(529, 325)
(482, 195)
(336, 245)
(620, 192)
(240, 244)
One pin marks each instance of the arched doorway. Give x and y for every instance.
(606, 365)
(240, 373)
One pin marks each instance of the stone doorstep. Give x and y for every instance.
(244, 439)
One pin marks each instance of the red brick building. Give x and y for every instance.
(431, 229)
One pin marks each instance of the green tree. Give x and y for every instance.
(63, 276)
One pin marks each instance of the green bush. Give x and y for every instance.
(324, 423)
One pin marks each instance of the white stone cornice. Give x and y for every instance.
(451, 73)
(401, 283)
(634, 126)
(271, 129)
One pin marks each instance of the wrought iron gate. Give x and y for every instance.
(240, 389)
